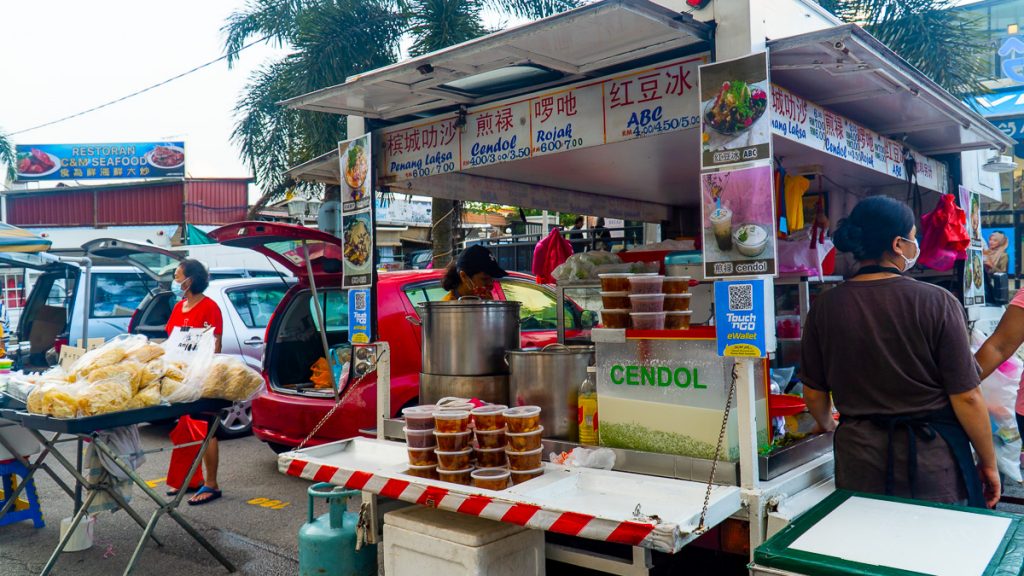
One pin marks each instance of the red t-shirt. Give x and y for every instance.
(204, 314)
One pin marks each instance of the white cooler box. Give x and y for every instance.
(420, 540)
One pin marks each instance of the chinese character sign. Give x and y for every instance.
(36, 162)
(734, 98)
(422, 150)
(739, 223)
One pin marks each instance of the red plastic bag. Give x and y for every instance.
(944, 235)
(188, 430)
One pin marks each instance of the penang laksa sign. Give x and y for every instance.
(134, 160)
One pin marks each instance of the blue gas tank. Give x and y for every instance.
(327, 545)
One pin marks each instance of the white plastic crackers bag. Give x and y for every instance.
(1000, 392)
(188, 353)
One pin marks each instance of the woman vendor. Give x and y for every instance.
(893, 355)
(472, 274)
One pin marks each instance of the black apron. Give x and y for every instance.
(926, 426)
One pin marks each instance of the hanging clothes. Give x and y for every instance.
(549, 254)
(795, 187)
(102, 470)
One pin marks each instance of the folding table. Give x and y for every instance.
(88, 429)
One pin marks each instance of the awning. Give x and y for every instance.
(586, 42)
(14, 239)
(847, 70)
(324, 169)
(1001, 104)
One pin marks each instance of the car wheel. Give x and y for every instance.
(236, 421)
(279, 448)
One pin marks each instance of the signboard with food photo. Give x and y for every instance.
(357, 211)
(734, 99)
(135, 160)
(974, 278)
(739, 223)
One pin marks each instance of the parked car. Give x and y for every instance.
(290, 406)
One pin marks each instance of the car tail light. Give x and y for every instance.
(59, 343)
(132, 321)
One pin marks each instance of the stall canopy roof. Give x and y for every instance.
(324, 169)
(869, 83)
(581, 43)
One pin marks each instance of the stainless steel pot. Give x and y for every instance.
(551, 378)
(468, 337)
(493, 389)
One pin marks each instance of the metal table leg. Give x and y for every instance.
(71, 531)
(170, 508)
(32, 467)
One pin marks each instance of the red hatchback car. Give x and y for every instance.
(290, 407)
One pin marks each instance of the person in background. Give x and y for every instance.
(576, 236)
(195, 310)
(602, 237)
(996, 258)
(472, 274)
(329, 218)
(894, 356)
(1004, 342)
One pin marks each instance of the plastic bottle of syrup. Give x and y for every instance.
(587, 404)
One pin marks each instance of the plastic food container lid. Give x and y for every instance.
(646, 296)
(424, 449)
(415, 467)
(678, 278)
(647, 314)
(489, 409)
(502, 430)
(679, 312)
(456, 453)
(425, 432)
(452, 415)
(527, 453)
(453, 472)
(534, 471)
(687, 295)
(613, 294)
(615, 275)
(615, 310)
(424, 410)
(499, 448)
(530, 433)
(490, 473)
(466, 433)
(522, 411)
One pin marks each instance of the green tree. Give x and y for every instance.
(329, 41)
(7, 157)
(945, 44)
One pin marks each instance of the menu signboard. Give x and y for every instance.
(654, 100)
(799, 120)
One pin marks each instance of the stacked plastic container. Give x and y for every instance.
(645, 301)
(420, 441)
(524, 448)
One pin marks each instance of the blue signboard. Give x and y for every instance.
(36, 162)
(740, 319)
(359, 315)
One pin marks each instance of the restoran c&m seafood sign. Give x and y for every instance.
(655, 100)
(135, 160)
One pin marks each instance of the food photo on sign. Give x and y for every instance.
(357, 248)
(354, 156)
(37, 162)
(739, 223)
(974, 279)
(735, 127)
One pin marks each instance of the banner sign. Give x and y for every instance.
(359, 316)
(734, 100)
(740, 237)
(741, 324)
(646, 102)
(357, 242)
(974, 278)
(799, 120)
(37, 162)
(971, 204)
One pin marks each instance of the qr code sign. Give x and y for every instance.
(360, 300)
(741, 297)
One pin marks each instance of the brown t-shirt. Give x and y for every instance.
(889, 347)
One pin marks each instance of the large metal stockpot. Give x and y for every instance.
(551, 378)
(468, 337)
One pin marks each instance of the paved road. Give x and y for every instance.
(255, 524)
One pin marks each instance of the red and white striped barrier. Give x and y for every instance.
(661, 536)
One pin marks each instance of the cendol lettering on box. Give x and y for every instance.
(660, 376)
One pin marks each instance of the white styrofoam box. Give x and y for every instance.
(19, 438)
(420, 540)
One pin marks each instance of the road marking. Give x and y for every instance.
(154, 483)
(268, 503)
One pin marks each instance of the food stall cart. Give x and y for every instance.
(554, 115)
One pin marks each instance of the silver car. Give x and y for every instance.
(246, 305)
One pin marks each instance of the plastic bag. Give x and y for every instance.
(105, 396)
(585, 267)
(1000, 392)
(599, 458)
(59, 400)
(188, 353)
(187, 431)
(111, 353)
(228, 378)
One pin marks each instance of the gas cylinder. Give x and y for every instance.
(327, 545)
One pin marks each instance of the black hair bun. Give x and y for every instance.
(849, 238)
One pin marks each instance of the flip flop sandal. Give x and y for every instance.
(204, 496)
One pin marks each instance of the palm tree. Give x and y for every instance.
(331, 40)
(945, 44)
(7, 157)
